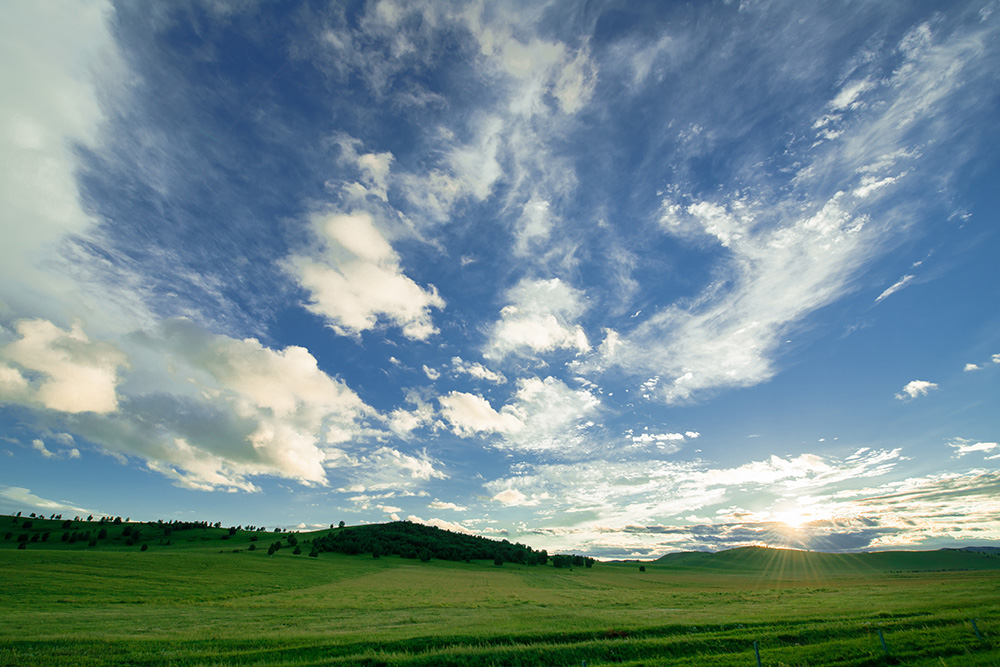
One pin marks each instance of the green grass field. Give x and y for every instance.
(203, 600)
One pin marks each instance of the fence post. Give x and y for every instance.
(882, 639)
(978, 635)
(756, 653)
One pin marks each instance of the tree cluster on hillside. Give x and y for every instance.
(415, 540)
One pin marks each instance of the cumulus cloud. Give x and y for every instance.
(60, 369)
(358, 280)
(441, 505)
(470, 414)
(540, 318)
(914, 389)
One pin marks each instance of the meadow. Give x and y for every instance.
(205, 599)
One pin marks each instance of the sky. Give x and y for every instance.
(615, 278)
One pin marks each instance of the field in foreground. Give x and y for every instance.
(200, 606)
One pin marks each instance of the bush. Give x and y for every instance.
(298, 550)
(22, 545)
(253, 547)
(144, 547)
(642, 568)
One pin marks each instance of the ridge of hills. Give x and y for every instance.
(397, 538)
(796, 562)
(418, 541)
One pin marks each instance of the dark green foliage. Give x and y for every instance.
(23, 537)
(411, 540)
(642, 568)
(252, 547)
(103, 534)
(27, 524)
(144, 547)
(22, 545)
(498, 560)
(46, 535)
(8, 535)
(292, 540)
(270, 550)
(297, 550)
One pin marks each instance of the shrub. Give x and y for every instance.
(298, 550)
(28, 524)
(22, 545)
(642, 568)
(144, 547)
(253, 547)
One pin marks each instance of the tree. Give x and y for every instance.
(642, 568)
(297, 550)
(144, 547)
(253, 547)
(425, 556)
(341, 524)
(271, 550)
(498, 560)
(22, 545)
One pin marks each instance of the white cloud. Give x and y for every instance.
(56, 57)
(915, 388)
(403, 422)
(358, 280)
(440, 523)
(441, 505)
(895, 287)
(19, 499)
(431, 373)
(788, 248)
(372, 168)
(963, 446)
(543, 415)
(477, 371)
(540, 318)
(39, 446)
(61, 369)
(776, 275)
(972, 367)
(470, 414)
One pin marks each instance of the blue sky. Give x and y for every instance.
(620, 278)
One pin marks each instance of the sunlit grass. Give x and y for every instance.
(203, 604)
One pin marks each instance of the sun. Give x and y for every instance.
(794, 518)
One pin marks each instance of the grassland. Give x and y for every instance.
(205, 600)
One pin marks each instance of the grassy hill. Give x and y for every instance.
(796, 564)
(206, 599)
